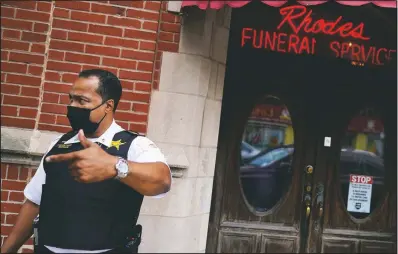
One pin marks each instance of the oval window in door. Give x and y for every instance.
(362, 165)
(266, 154)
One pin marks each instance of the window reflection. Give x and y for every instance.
(362, 155)
(266, 154)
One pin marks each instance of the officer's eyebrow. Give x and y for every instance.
(79, 97)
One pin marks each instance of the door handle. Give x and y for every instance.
(307, 202)
(319, 205)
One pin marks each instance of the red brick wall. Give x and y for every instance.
(13, 181)
(45, 44)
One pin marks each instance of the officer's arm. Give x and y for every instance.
(23, 228)
(149, 179)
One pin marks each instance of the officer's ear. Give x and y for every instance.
(110, 104)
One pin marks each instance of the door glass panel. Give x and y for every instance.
(266, 154)
(362, 164)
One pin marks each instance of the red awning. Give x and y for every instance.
(212, 4)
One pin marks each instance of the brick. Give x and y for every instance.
(64, 45)
(7, 44)
(128, 84)
(69, 78)
(104, 51)
(151, 5)
(139, 14)
(4, 55)
(106, 30)
(83, 37)
(59, 66)
(146, 45)
(3, 219)
(23, 174)
(57, 88)
(16, 197)
(56, 55)
(3, 77)
(135, 4)
(62, 120)
(53, 108)
(107, 9)
(143, 108)
(168, 17)
(12, 34)
(10, 89)
(138, 55)
(146, 87)
(61, 13)
(121, 42)
(18, 122)
(38, 48)
(73, 5)
(21, 101)
(44, 6)
(131, 117)
(153, 26)
(177, 38)
(26, 58)
(119, 63)
(167, 46)
(168, 27)
(89, 17)
(124, 21)
(70, 25)
(32, 15)
(12, 185)
(164, 36)
(26, 250)
(14, 67)
(136, 34)
(16, 24)
(124, 105)
(40, 28)
(13, 173)
(8, 110)
(4, 195)
(34, 37)
(135, 75)
(5, 230)
(52, 76)
(23, 80)
(143, 97)
(50, 97)
(27, 113)
(30, 91)
(142, 66)
(80, 58)
(7, 12)
(64, 99)
(59, 34)
(140, 128)
(47, 118)
(35, 70)
(30, 5)
(124, 125)
(60, 129)
(11, 218)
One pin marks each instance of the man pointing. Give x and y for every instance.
(90, 185)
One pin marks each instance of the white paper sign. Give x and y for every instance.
(359, 194)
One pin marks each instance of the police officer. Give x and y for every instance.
(90, 185)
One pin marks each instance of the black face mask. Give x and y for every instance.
(79, 118)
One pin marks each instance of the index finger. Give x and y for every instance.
(63, 157)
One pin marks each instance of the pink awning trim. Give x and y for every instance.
(211, 4)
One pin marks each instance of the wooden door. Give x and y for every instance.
(359, 115)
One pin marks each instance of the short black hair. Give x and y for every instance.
(109, 87)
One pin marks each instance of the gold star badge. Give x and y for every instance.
(116, 144)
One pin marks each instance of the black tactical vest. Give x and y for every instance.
(87, 216)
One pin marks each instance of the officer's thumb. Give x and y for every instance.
(83, 140)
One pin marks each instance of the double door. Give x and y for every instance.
(306, 162)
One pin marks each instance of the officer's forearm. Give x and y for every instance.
(23, 228)
(149, 179)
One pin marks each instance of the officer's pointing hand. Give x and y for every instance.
(92, 164)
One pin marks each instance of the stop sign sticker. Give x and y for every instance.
(359, 194)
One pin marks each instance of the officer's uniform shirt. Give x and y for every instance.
(141, 150)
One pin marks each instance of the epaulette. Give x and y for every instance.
(68, 135)
(135, 133)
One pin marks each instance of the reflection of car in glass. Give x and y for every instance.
(247, 151)
(266, 177)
